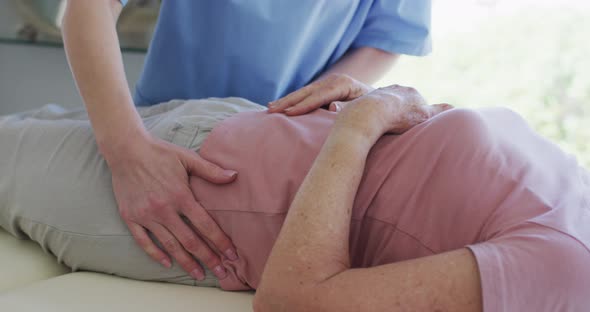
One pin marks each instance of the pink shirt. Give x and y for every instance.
(478, 179)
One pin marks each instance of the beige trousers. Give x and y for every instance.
(55, 187)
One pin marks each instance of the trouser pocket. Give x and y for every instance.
(183, 132)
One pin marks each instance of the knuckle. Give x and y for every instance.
(141, 240)
(423, 114)
(192, 245)
(415, 116)
(155, 201)
(196, 157)
(212, 169)
(159, 214)
(152, 251)
(189, 265)
(223, 242)
(344, 79)
(167, 217)
(206, 225)
(192, 267)
(210, 259)
(171, 245)
(302, 93)
(331, 88)
(142, 214)
(200, 251)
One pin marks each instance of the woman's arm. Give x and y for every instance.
(346, 80)
(150, 176)
(93, 52)
(309, 269)
(364, 64)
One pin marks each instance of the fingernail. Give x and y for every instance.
(230, 173)
(220, 272)
(288, 109)
(166, 263)
(271, 104)
(231, 255)
(338, 108)
(198, 275)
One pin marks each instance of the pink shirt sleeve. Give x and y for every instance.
(515, 278)
(480, 179)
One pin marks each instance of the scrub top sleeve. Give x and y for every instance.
(123, 2)
(397, 26)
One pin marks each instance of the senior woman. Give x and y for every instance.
(464, 211)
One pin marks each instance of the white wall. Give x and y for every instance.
(31, 76)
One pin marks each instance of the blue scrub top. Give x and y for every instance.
(262, 50)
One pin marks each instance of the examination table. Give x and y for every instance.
(31, 280)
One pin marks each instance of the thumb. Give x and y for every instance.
(336, 106)
(198, 166)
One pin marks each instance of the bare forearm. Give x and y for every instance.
(367, 65)
(308, 269)
(95, 59)
(313, 244)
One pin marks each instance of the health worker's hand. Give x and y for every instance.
(151, 186)
(328, 90)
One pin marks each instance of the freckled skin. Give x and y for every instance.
(320, 265)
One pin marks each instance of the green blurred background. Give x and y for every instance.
(531, 56)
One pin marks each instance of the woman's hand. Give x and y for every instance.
(151, 186)
(334, 87)
(393, 109)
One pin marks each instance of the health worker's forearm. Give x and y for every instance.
(367, 65)
(92, 47)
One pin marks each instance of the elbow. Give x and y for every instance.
(280, 291)
(266, 303)
(282, 299)
(261, 302)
